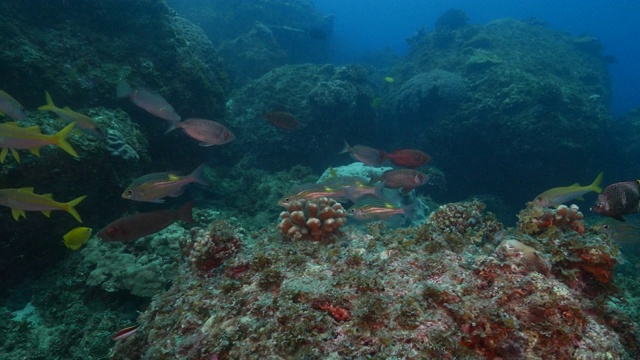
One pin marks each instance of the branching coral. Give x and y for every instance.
(315, 219)
(535, 220)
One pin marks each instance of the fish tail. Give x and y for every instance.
(409, 211)
(49, 106)
(123, 89)
(384, 156)
(198, 175)
(61, 139)
(595, 186)
(172, 125)
(185, 213)
(346, 148)
(70, 207)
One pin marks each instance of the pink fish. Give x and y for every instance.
(150, 101)
(365, 154)
(125, 333)
(406, 179)
(207, 131)
(135, 226)
(408, 158)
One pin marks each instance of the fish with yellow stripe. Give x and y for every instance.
(24, 199)
(83, 122)
(14, 137)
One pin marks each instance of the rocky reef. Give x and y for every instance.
(499, 104)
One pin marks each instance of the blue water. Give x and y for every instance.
(361, 30)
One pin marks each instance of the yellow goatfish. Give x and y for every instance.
(556, 196)
(23, 199)
(83, 122)
(14, 137)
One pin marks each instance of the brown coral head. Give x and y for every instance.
(521, 257)
(314, 219)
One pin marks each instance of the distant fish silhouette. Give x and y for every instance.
(282, 119)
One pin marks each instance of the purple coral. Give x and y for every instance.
(315, 219)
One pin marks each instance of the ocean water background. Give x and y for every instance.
(362, 31)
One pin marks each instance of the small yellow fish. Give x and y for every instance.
(389, 80)
(560, 195)
(75, 238)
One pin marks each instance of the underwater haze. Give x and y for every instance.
(360, 30)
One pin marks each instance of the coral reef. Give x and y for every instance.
(535, 219)
(385, 293)
(118, 147)
(317, 219)
(509, 98)
(321, 97)
(207, 250)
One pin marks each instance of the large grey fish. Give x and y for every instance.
(618, 199)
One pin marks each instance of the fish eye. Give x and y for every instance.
(129, 193)
(112, 231)
(353, 211)
(605, 227)
(226, 134)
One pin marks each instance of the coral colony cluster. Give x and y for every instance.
(315, 219)
(457, 287)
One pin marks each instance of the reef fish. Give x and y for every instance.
(314, 191)
(208, 132)
(83, 122)
(24, 199)
(408, 158)
(154, 187)
(623, 233)
(405, 179)
(132, 227)
(365, 154)
(13, 137)
(77, 237)
(618, 199)
(379, 211)
(282, 119)
(125, 333)
(11, 106)
(153, 103)
(560, 195)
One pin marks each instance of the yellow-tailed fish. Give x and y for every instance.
(83, 122)
(560, 195)
(24, 199)
(154, 187)
(379, 211)
(75, 238)
(11, 106)
(14, 137)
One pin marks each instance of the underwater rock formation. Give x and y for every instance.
(328, 101)
(533, 93)
(355, 298)
(140, 41)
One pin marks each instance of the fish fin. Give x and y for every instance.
(48, 196)
(185, 213)
(49, 106)
(346, 148)
(35, 151)
(33, 128)
(595, 185)
(61, 139)
(26, 189)
(15, 155)
(204, 144)
(17, 213)
(3, 155)
(69, 207)
(197, 175)
(332, 172)
(123, 89)
(172, 125)
(46, 213)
